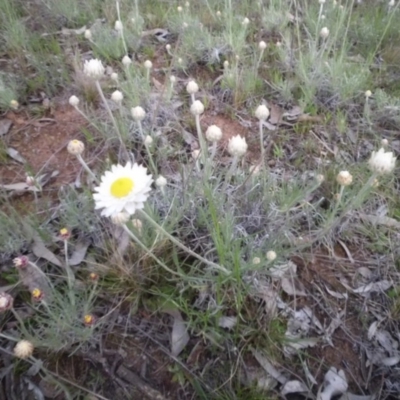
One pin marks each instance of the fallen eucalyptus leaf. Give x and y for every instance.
(336, 295)
(40, 250)
(79, 253)
(350, 396)
(5, 125)
(289, 287)
(15, 155)
(390, 361)
(269, 368)
(180, 337)
(227, 322)
(20, 187)
(299, 344)
(372, 330)
(294, 387)
(380, 286)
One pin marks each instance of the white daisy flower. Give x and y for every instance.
(122, 189)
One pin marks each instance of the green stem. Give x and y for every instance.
(181, 245)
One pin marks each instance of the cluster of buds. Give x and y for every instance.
(21, 262)
(6, 301)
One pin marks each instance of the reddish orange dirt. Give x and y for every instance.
(42, 143)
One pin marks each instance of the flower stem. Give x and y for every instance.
(86, 167)
(181, 245)
(100, 90)
(70, 275)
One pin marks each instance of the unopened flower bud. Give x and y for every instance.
(75, 147)
(126, 61)
(6, 301)
(262, 112)
(148, 140)
(73, 101)
(89, 320)
(161, 182)
(213, 133)
(137, 224)
(324, 33)
(21, 261)
(256, 260)
(344, 178)
(118, 26)
(192, 87)
(23, 349)
(37, 294)
(88, 34)
(262, 45)
(368, 94)
(65, 234)
(93, 68)
(148, 64)
(197, 108)
(271, 255)
(114, 77)
(117, 97)
(138, 113)
(237, 146)
(14, 104)
(245, 21)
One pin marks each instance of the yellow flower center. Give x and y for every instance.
(36, 293)
(88, 319)
(122, 187)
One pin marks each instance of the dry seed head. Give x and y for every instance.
(138, 113)
(75, 147)
(23, 349)
(344, 178)
(73, 101)
(192, 87)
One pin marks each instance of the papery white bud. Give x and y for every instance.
(384, 142)
(172, 79)
(218, 14)
(382, 162)
(23, 349)
(118, 26)
(368, 94)
(88, 34)
(213, 133)
(126, 61)
(271, 255)
(180, 61)
(245, 21)
(197, 108)
(262, 112)
(226, 64)
(278, 43)
(237, 146)
(138, 113)
(256, 260)
(114, 77)
(75, 147)
(148, 140)
(120, 218)
(161, 182)
(344, 178)
(324, 33)
(323, 17)
(73, 101)
(187, 4)
(192, 87)
(14, 104)
(262, 45)
(321, 1)
(180, 9)
(30, 180)
(391, 3)
(93, 68)
(148, 64)
(117, 96)
(168, 47)
(185, 25)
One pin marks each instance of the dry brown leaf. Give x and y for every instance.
(40, 250)
(180, 337)
(20, 187)
(79, 253)
(292, 287)
(5, 125)
(15, 155)
(276, 113)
